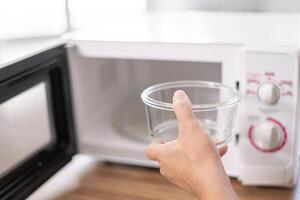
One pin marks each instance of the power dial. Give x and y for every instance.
(268, 93)
(268, 136)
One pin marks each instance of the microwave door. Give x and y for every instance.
(36, 122)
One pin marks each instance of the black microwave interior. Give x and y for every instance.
(36, 125)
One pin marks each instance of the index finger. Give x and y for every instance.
(154, 151)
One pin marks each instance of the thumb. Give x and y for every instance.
(183, 109)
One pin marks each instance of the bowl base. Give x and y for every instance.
(168, 131)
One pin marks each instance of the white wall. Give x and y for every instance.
(228, 5)
(40, 18)
(88, 12)
(30, 18)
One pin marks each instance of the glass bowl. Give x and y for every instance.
(213, 104)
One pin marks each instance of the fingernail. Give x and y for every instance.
(158, 141)
(179, 95)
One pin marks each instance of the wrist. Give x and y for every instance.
(212, 183)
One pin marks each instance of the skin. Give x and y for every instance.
(192, 161)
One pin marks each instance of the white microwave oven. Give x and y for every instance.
(82, 95)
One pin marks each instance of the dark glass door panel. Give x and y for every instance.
(36, 125)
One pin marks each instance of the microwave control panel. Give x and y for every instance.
(269, 109)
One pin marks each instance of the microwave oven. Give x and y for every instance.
(82, 95)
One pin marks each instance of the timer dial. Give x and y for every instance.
(268, 93)
(267, 136)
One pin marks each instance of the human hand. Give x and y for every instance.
(192, 161)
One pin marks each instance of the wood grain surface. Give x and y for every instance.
(120, 182)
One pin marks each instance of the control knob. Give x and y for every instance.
(268, 136)
(268, 93)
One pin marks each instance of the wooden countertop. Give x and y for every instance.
(100, 181)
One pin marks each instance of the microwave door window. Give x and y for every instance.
(25, 127)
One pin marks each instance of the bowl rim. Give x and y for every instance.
(231, 101)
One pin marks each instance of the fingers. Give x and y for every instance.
(223, 150)
(154, 151)
(183, 109)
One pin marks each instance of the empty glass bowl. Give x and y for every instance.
(213, 104)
